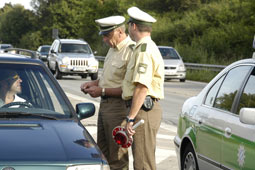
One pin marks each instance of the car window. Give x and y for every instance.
(75, 48)
(45, 49)
(230, 87)
(37, 89)
(248, 96)
(210, 98)
(169, 53)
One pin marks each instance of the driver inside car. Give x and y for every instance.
(10, 86)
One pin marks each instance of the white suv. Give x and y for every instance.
(72, 57)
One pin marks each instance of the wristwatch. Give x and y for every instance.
(103, 92)
(129, 120)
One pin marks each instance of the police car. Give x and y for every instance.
(216, 128)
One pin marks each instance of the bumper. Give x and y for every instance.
(177, 75)
(177, 143)
(78, 70)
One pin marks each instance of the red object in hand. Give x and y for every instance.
(121, 138)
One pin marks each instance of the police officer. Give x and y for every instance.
(112, 109)
(143, 88)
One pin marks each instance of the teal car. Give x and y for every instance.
(40, 129)
(216, 128)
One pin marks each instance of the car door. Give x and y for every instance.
(53, 55)
(214, 116)
(209, 130)
(239, 139)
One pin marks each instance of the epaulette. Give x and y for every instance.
(143, 47)
(132, 46)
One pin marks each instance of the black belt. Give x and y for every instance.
(129, 102)
(109, 97)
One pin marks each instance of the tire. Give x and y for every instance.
(189, 161)
(57, 73)
(182, 80)
(94, 76)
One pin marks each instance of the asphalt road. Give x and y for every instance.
(175, 94)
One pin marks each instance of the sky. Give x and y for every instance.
(25, 3)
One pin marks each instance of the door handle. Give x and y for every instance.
(228, 132)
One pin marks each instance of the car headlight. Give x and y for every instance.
(65, 60)
(182, 67)
(89, 167)
(93, 62)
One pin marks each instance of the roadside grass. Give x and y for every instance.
(200, 75)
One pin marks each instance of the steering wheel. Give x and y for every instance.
(29, 105)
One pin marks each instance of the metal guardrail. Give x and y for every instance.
(191, 66)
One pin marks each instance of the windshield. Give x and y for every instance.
(5, 46)
(169, 53)
(75, 48)
(45, 49)
(28, 89)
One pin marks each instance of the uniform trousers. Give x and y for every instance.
(144, 139)
(112, 113)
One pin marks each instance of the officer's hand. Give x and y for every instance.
(85, 86)
(130, 132)
(94, 91)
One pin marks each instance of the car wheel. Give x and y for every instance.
(84, 76)
(57, 73)
(182, 80)
(189, 161)
(94, 76)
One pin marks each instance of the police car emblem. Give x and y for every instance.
(241, 155)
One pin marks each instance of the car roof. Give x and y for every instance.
(72, 41)
(45, 46)
(16, 58)
(161, 46)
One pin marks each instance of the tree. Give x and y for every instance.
(15, 22)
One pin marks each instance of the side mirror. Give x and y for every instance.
(85, 110)
(247, 116)
(52, 51)
(95, 52)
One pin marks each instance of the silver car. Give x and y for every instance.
(72, 57)
(174, 66)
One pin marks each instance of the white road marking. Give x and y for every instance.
(168, 137)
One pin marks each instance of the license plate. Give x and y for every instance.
(169, 72)
(79, 69)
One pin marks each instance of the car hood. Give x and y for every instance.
(77, 55)
(58, 141)
(172, 62)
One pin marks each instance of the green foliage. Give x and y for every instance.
(201, 75)
(203, 31)
(14, 22)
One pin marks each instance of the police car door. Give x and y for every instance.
(239, 140)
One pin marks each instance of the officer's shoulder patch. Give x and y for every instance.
(142, 68)
(143, 47)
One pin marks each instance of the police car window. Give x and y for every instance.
(210, 98)
(248, 96)
(230, 86)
